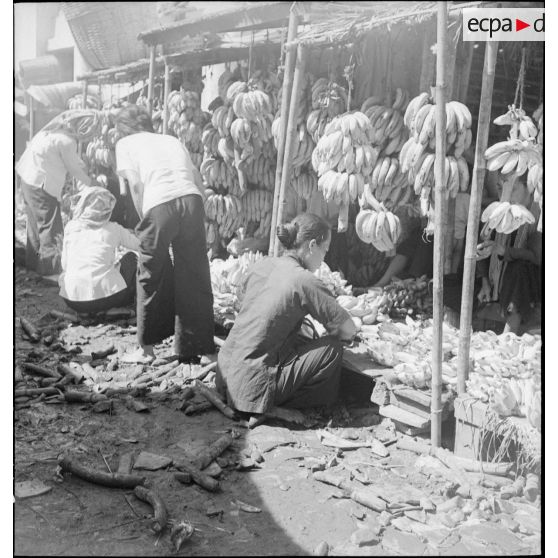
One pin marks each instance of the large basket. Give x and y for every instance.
(107, 32)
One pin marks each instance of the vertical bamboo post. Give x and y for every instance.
(449, 215)
(287, 85)
(31, 118)
(84, 99)
(151, 84)
(166, 91)
(302, 53)
(465, 74)
(439, 170)
(479, 170)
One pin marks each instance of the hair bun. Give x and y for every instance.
(286, 233)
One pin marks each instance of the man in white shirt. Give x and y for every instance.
(173, 296)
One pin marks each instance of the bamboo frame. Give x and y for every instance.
(166, 91)
(151, 83)
(302, 53)
(84, 99)
(439, 170)
(449, 217)
(287, 86)
(479, 171)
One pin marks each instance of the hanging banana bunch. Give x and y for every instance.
(225, 211)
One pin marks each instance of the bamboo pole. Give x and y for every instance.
(166, 91)
(31, 118)
(439, 169)
(449, 214)
(287, 85)
(479, 170)
(301, 56)
(465, 74)
(151, 82)
(85, 84)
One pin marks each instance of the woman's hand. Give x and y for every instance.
(484, 249)
(485, 294)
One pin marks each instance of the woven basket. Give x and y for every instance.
(107, 32)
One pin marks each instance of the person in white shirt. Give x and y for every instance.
(93, 280)
(174, 296)
(48, 158)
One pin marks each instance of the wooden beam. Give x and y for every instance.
(284, 113)
(479, 171)
(151, 83)
(302, 53)
(439, 170)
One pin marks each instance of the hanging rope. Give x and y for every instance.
(520, 81)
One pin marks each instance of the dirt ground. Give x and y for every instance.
(296, 513)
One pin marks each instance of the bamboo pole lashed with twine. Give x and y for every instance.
(287, 85)
(151, 82)
(479, 171)
(301, 55)
(166, 92)
(439, 170)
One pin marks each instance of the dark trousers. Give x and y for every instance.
(310, 375)
(44, 227)
(175, 296)
(128, 268)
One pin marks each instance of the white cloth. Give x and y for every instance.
(90, 271)
(159, 165)
(47, 159)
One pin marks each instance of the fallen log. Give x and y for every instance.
(32, 392)
(64, 316)
(112, 480)
(30, 330)
(75, 376)
(84, 397)
(214, 399)
(213, 451)
(36, 370)
(160, 514)
(102, 353)
(192, 408)
(200, 478)
(460, 463)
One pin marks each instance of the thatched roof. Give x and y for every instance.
(347, 21)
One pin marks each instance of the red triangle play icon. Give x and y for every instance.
(519, 25)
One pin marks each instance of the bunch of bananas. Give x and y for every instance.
(222, 119)
(256, 205)
(210, 141)
(388, 183)
(506, 217)
(327, 100)
(186, 121)
(522, 127)
(304, 144)
(248, 101)
(261, 172)
(420, 119)
(100, 150)
(92, 101)
(262, 230)
(512, 155)
(304, 182)
(366, 264)
(387, 130)
(218, 175)
(225, 210)
(211, 234)
(379, 228)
